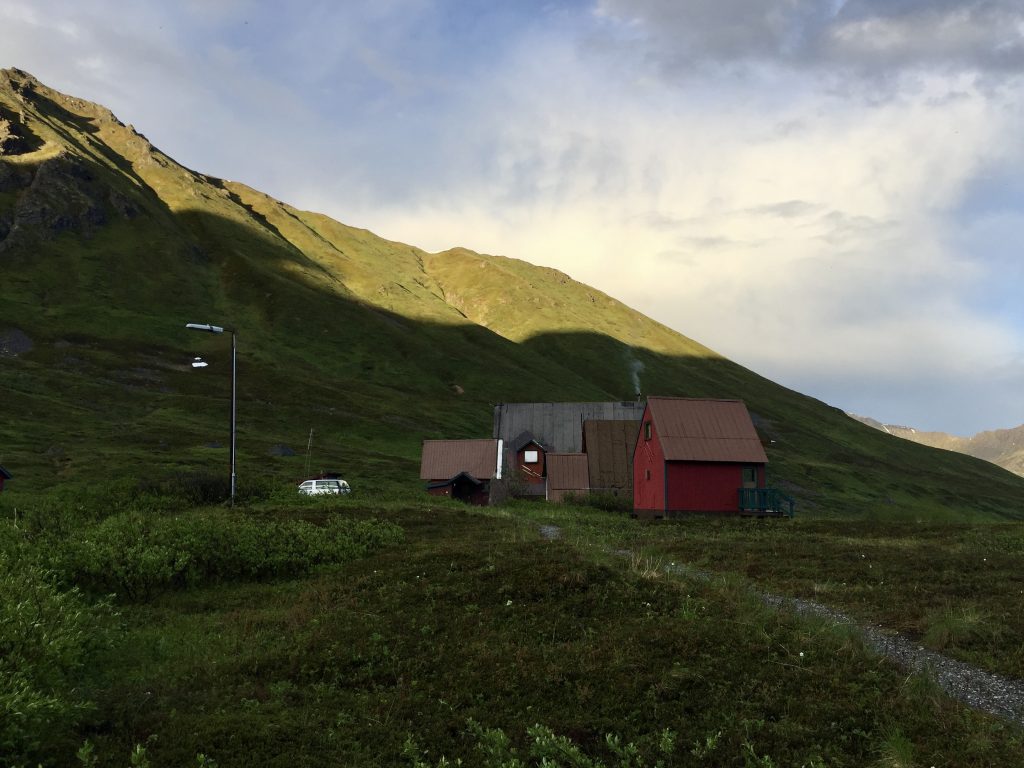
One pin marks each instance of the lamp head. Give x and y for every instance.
(205, 327)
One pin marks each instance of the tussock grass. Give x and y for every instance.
(473, 619)
(960, 626)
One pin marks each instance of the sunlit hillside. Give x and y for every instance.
(109, 247)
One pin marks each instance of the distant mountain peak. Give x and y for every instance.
(1003, 447)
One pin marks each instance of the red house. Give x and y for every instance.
(4, 475)
(696, 455)
(461, 469)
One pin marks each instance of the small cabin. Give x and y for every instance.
(461, 469)
(4, 476)
(529, 464)
(700, 455)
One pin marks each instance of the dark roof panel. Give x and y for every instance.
(443, 459)
(568, 472)
(5, 474)
(522, 440)
(706, 430)
(452, 480)
(609, 446)
(558, 426)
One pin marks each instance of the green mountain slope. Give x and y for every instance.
(1004, 447)
(108, 247)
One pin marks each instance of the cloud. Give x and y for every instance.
(872, 36)
(820, 254)
(824, 191)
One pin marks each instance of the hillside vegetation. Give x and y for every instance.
(109, 247)
(1004, 447)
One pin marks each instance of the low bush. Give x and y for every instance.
(48, 637)
(137, 555)
(546, 749)
(198, 489)
(607, 502)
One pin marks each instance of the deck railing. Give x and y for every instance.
(766, 501)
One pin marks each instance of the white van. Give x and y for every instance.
(317, 487)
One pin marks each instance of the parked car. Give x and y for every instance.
(317, 487)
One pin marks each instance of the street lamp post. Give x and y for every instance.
(234, 388)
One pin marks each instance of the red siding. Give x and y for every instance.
(648, 459)
(682, 486)
(706, 487)
(531, 473)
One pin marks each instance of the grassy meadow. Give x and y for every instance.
(400, 630)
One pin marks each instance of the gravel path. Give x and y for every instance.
(978, 689)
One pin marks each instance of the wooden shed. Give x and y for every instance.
(567, 473)
(528, 464)
(461, 469)
(4, 476)
(698, 455)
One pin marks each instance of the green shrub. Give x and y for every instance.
(608, 502)
(137, 556)
(546, 749)
(47, 639)
(198, 489)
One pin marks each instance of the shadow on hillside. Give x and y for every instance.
(307, 346)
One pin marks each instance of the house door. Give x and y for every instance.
(749, 500)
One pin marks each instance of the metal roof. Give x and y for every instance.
(568, 472)
(609, 446)
(453, 480)
(444, 459)
(705, 430)
(558, 426)
(523, 440)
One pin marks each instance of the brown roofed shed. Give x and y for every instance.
(444, 459)
(461, 469)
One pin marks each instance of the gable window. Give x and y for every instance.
(531, 457)
(647, 474)
(647, 430)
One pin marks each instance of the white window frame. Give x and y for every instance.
(535, 454)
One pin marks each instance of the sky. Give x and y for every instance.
(829, 192)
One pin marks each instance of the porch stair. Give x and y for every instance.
(766, 501)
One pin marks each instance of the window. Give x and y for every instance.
(531, 457)
(749, 477)
(647, 430)
(647, 474)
